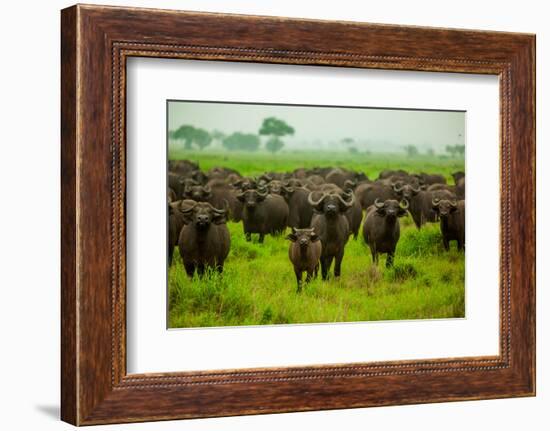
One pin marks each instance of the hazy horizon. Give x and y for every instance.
(323, 128)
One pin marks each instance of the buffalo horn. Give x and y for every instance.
(312, 202)
(378, 203)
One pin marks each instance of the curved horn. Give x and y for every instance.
(217, 210)
(378, 203)
(349, 203)
(415, 189)
(454, 203)
(262, 193)
(312, 202)
(435, 202)
(207, 189)
(404, 204)
(187, 209)
(396, 187)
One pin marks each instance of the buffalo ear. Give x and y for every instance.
(219, 218)
(240, 197)
(401, 212)
(292, 237)
(207, 194)
(188, 217)
(453, 209)
(314, 237)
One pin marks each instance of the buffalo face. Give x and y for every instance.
(405, 191)
(331, 204)
(202, 214)
(303, 237)
(251, 198)
(444, 207)
(197, 192)
(391, 209)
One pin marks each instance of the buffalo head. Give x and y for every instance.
(444, 207)
(391, 208)
(251, 197)
(404, 190)
(202, 214)
(197, 193)
(303, 237)
(331, 204)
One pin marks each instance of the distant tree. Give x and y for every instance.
(430, 152)
(274, 144)
(348, 141)
(353, 150)
(186, 134)
(455, 150)
(241, 142)
(275, 128)
(451, 149)
(202, 138)
(411, 150)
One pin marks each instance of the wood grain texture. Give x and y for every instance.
(96, 41)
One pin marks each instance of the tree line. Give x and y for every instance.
(273, 128)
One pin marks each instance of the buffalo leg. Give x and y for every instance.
(200, 269)
(316, 271)
(170, 255)
(248, 236)
(261, 239)
(189, 269)
(374, 255)
(446, 244)
(389, 259)
(325, 263)
(298, 280)
(338, 265)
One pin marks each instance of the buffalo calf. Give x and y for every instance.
(452, 221)
(304, 253)
(204, 240)
(381, 228)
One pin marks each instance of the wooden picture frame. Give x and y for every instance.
(95, 43)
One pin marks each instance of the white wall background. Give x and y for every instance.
(29, 215)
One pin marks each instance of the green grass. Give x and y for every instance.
(258, 285)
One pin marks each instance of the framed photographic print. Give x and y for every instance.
(262, 217)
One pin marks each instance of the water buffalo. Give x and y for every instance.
(457, 176)
(221, 173)
(367, 193)
(204, 240)
(381, 228)
(429, 179)
(339, 176)
(300, 211)
(332, 226)
(420, 202)
(198, 193)
(178, 183)
(182, 167)
(354, 214)
(222, 194)
(460, 188)
(304, 253)
(175, 223)
(263, 213)
(452, 215)
(387, 173)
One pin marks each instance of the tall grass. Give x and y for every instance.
(258, 285)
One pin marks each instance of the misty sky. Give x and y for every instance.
(325, 127)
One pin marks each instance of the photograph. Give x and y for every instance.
(301, 214)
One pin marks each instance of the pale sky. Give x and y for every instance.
(324, 127)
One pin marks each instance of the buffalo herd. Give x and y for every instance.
(322, 206)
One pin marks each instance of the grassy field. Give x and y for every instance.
(258, 285)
